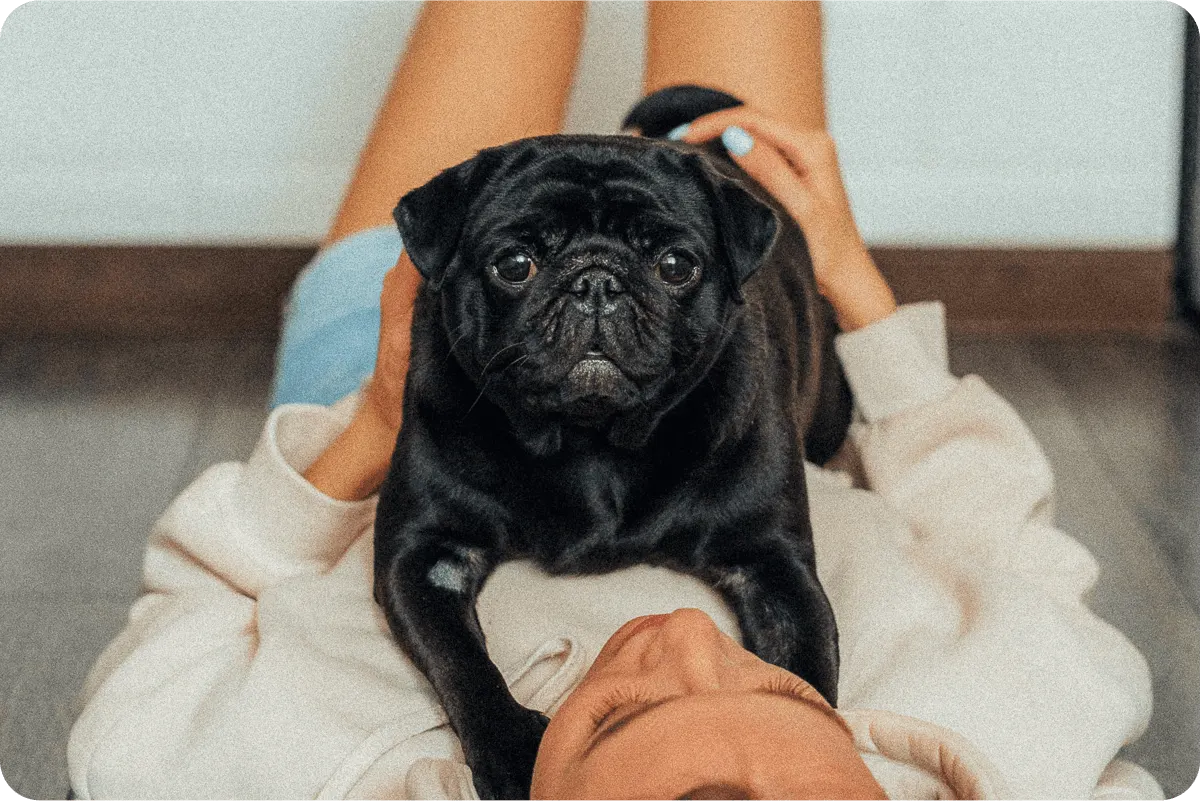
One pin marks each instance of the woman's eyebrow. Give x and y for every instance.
(779, 692)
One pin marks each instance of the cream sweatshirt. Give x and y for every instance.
(256, 664)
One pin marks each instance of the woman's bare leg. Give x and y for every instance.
(474, 74)
(768, 54)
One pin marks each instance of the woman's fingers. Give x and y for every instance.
(804, 144)
(774, 173)
(760, 155)
(811, 153)
(811, 157)
(711, 125)
(400, 287)
(386, 388)
(800, 168)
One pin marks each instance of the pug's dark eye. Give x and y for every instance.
(675, 268)
(516, 268)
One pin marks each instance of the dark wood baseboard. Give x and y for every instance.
(145, 290)
(240, 291)
(1038, 291)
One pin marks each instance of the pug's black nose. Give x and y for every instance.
(596, 287)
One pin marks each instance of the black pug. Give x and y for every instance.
(619, 356)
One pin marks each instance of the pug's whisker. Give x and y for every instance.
(467, 413)
(455, 344)
(727, 330)
(515, 362)
(484, 371)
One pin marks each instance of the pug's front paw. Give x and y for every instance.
(502, 762)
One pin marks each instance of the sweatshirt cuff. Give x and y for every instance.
(298, 526)
(899, 362)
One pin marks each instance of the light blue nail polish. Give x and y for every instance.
(678, 132)
(737, 141)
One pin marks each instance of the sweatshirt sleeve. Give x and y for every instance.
(950, 455)
(201, 636)
(247, 526)
(238, 529)
(1002, 648)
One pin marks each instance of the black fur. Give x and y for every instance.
(682, 447)
(657, 114)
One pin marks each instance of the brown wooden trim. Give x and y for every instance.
(145, 291)
(1037, 291)
(161, 290)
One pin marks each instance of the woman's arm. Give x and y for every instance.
(1015, 657)
(255, 664)
(965, 447)
(354, 465)
(800, 169)
(950, 454)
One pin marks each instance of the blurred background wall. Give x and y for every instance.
(974, 123)
(995, 125)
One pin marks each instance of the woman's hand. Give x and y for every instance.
(800, 169)
(384, 394)
(354, 465)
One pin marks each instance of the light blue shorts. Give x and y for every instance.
(331, 321)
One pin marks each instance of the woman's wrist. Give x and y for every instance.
(356, 462)
(857, 290)
(871, 302)
(862, 300)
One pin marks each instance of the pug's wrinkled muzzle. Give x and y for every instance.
(597, 291)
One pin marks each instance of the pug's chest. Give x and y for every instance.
(586, 514)
(595, 515)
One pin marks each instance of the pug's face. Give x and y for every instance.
(581, 277)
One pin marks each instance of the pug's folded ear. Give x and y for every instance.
(746, 229)
(431, 218)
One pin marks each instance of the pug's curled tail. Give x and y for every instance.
(659, 112)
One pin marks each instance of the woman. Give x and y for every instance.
(257, 664)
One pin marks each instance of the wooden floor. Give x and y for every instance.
(96, 438)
